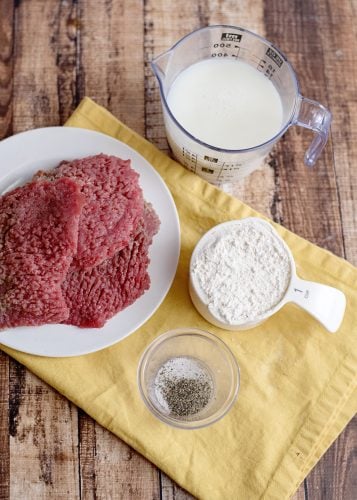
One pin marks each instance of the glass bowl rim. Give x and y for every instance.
(206, 336)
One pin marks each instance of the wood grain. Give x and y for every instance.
(121, 472)
(4, 428)
(111, 469)
(87, 456)
(111, 57)
(171, 491)
(6, 80)
(35, 101)
(6, 66)
(66, 43)
(340, 64)
(339, 464)
(43, 428)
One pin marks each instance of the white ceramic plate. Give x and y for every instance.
(20, 157)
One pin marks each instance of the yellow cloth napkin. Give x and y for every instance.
(297, 381)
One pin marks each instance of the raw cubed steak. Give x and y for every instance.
(93, 296)
(114, 205)
(38, 239)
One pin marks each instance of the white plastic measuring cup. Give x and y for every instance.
(215, 164)
(324, 303)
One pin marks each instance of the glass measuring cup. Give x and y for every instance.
(218, 165)
(325, 303)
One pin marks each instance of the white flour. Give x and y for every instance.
(244, 272)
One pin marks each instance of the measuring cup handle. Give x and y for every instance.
(316, 117)
(324, 303)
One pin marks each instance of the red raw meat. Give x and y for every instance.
(38, 239)
(114, 205)
(93, 296)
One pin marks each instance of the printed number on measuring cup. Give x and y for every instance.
(228, 45)
(269, 72)
(219, 54)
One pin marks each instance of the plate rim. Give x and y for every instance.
(176, 220)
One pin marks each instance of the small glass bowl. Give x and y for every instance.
(209, 352)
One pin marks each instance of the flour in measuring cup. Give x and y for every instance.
(244, 272)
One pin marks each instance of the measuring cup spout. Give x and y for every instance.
(160, 63)
(316, 117)
(325, 303)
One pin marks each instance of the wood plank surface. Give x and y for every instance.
(53, 53)
(6, 66)
(111, 57)
(340, 75)
(35, 101)
(4, 427)
(6, 95)
(44, 440)
(66, 45)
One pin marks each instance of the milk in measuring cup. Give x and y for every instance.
(226, 103)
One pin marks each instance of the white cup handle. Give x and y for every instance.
(324, 303)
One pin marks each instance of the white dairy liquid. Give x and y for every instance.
(226, 103)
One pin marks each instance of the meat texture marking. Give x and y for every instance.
(38, 239)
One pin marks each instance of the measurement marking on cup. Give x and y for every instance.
(190, 159)
(211, 159)
(220, 172)
(227, 47)
(269, 72)
(261, 65)
(207, 170)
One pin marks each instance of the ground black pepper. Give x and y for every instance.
(184, 386)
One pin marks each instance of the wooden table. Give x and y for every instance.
(54, 52)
